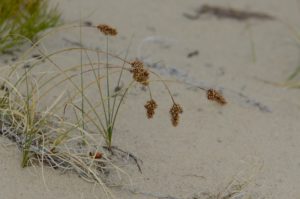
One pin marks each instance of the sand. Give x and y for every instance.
(255, 137)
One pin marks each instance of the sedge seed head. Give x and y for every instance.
(150, 106)
(107, 30)
(216, 96)
(175, 110)
(140, 74)
(137, 64)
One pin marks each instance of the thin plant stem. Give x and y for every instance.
(100, 89)
(108, 125)
(120, 102)
(27, 128)
(252, 43)
(164, 83)
(150, 93)
(119, 79)
(107, 84)
(81, 81)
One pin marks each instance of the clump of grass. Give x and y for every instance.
(140, 75)
(240, 186)
(74, 131)
(24, 19)
(46, 138)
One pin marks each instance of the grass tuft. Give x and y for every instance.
(50, 114)
(64, 116)
(21, 19)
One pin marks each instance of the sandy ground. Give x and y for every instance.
(255, 137)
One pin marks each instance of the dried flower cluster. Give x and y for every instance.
(140, 74)
(174, 112)
(150, 106)
(107, 30)
(216, 96)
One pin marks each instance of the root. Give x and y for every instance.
(114, 149)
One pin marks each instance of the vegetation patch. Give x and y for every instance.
(23, 20)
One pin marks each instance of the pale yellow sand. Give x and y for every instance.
(212, 144)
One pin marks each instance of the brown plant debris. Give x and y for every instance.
(216, 96)
(230, 13)
(107, 30)
(37, 56)
(88, 23)
(96, 155)
(193, 53)
(174, 112)
(150, 106)
(3, 87)
(140, 74)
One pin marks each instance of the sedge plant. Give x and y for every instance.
(49, 138)
(50, 109)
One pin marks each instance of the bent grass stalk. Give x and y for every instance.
(288, 83)
(28, 128)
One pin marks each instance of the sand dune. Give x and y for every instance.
(255, 137)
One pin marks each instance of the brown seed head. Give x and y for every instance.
(216, 96)
(137, 64)
(174, 112)
(150, 107)
(107, 30)
(140, 74)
